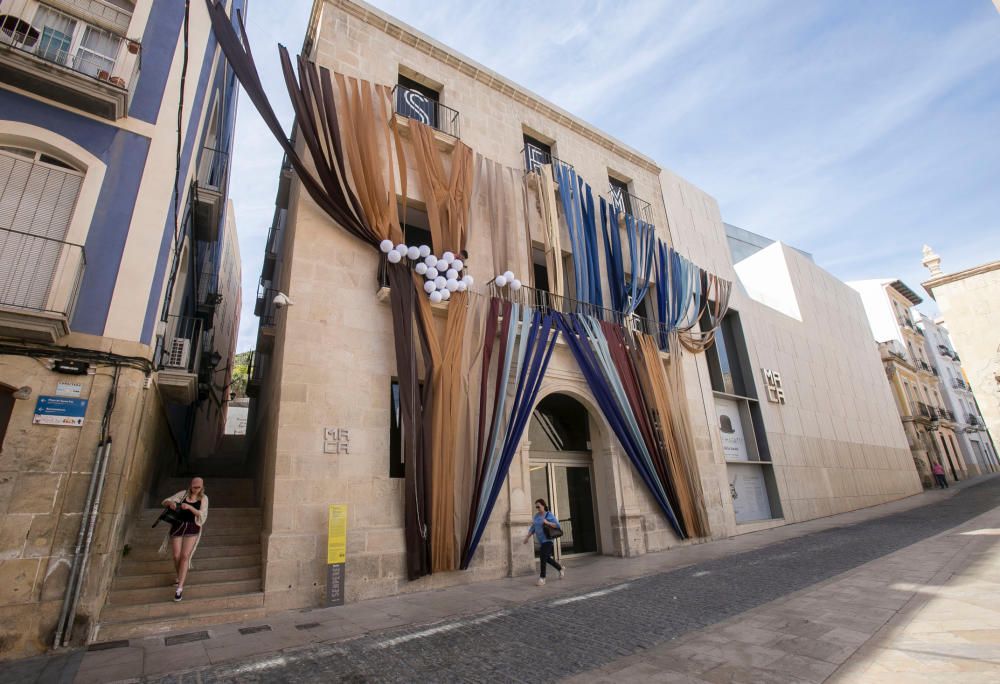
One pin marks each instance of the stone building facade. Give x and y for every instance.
(792, 416)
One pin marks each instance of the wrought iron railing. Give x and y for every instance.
(959, 383)
(415, 105)
(40, 273)
(535, 157)
(973, 420)
(69, 41)
(630, 204)
(264, 308)
(925, 410)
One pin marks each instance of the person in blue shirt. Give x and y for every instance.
(544, 519)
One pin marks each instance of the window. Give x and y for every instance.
(37, 197)
(536, 153)
(620, 197)
(725, 365)
(57, 35)
(540, 269)
(97, 52)
(416, 101)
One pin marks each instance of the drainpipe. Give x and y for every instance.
(84, 538)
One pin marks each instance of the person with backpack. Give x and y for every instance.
(546, 529)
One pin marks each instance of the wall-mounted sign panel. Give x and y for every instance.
(63, 411)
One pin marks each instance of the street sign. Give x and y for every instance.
(63, 411)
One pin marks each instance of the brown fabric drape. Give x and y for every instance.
(671, 420)
(447, 194)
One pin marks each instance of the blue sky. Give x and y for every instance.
(854, 130)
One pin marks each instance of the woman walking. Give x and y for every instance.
(191, 504)
(540, 526)
(939, 476)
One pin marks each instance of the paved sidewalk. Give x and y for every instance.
(927, 613)
(300, 629)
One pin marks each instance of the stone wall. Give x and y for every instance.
(44, 476)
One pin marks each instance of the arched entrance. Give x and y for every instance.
(561, 468)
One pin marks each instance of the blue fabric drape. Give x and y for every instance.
(586, 341)
(627, 293)
(538, 334)
(581, 222)
(678, 291)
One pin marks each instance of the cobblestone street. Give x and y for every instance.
(545, 640)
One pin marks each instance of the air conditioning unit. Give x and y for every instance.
(178, 353)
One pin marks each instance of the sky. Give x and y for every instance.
(854, 130)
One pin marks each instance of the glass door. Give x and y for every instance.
(568, 489)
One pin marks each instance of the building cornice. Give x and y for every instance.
(424, 43)
(929, 285)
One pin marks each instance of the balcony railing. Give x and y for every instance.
(264, 308)
(535, 157)
(925, 411)
(208, 193)
(945, 414)
(40, 281)
(630, 204)
(973, 420)
(66, 58)
(415, 105)
(960, 384)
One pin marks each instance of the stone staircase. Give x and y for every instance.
(224, 586)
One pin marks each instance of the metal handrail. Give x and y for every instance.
(531, 165)
(411, 104)
(630, 204)
(18, 33)
(42, 273)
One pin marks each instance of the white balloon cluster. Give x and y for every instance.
(507, 278)
(443, 274)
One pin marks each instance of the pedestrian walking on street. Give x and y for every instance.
(939, 477)
(191, 511)
(546, 529)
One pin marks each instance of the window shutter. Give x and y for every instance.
(36, 206)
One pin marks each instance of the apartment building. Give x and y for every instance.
(781, 392)
(930, 426)
(968, 301)
(960, 404)
(113, 230)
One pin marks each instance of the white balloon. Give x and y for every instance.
(432, 273)
(431, 260)
(500, 281)
(451, 274)
(515, 284)
(435, 296)
(401, 248)
(448, 256)
(457, 264)
(509, 275)
(421, 268)
(469, 280)
(413, 253)
(445, 295)
(385, 246)
(429, 286)
(451, 284)
(440, 281)
(462, 287)
(394, 257)
(424, 251)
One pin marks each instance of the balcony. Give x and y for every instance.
(208, 297)
(974, 421)
(79, 59)
(961, 384)
(264, 309)
(208, 193)
(925, 411)
(945, 414)
(39, 283)
(535, 158)
(628, 203)
(256, 372)
(413, 104)
(275, 241)
(180, 360)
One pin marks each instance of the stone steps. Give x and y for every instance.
(224, 585)
(136, 597)
(195, 577)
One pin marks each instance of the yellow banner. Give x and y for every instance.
(336, 550)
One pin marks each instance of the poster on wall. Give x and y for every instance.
(730, 426)
(749, 492)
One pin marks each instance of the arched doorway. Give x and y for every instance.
(561, 468)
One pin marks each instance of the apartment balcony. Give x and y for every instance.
(256, 372)
(208, 298)
(273, 247)
(180, 360)
(925, 411)
(264, 309)
(945, 414)
(535, 158)
(974, 421)
(413, 104)
(208, 193)
(961, 384)
(630, 204)
(70, 52)
(39, 283)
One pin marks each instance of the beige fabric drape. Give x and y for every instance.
(550, 223)
(468, 414)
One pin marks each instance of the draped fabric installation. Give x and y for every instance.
(550, 223)
(627, 294)
(578, 206)
(526, 339)
(687, 295)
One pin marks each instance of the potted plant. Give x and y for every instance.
(133, 46)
